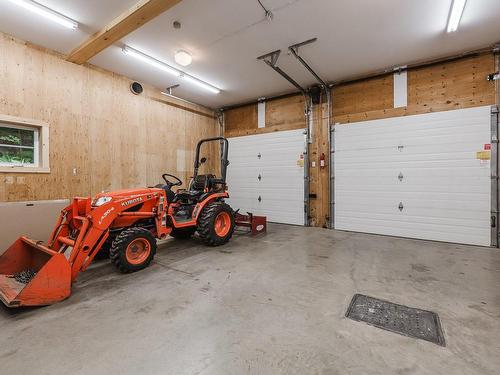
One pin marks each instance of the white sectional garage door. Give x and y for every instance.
(416, 176)
(264, 177)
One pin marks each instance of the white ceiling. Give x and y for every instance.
(226, 36)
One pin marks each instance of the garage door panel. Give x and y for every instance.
(444, 189)
(413, 184)
(438, 122)
(395, 220)
(468, 163)
(427, 129)
(412, 220)
(244, 204)
(246, 172)
(273, 157)
(281, 179)
(277, 212)
(391, 141)
(242, 183)
(389, 227)
(424, 199)
(412, 156)
(410, 230)
(283, 197)
(440, 176)
(418, 207)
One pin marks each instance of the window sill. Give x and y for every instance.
(5, 169)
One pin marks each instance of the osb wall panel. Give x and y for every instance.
(318, 176)
(286, 113)
(364, 96)
(281, 114)
(112, 138)
(442, 87)
(240, 121)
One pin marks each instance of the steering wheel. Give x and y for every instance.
(169, 183)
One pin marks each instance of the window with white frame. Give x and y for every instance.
(24, 145)
(19, 146)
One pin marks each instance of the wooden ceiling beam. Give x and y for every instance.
(141, 13)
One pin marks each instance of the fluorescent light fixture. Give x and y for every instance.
(200, 83)
(457, 9)
(169, 69)
(176, 97)
(183, 58)
(46, 12)
(151, 61)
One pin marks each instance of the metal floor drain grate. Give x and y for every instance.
(407, 321)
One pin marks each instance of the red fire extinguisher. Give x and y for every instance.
(322, 160)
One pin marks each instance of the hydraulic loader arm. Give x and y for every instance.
(84, 229)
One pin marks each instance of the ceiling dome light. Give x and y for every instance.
(183, 58)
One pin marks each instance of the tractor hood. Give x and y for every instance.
(106, 197)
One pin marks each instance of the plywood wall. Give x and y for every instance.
(441, 87)
(111, 138)
(318, 175)
(446, 86)
(281, 114)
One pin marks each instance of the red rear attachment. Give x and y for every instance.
(257, 224)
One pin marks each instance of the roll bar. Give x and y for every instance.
(224, 161)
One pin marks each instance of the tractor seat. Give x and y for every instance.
(187, 194)
(201, 181)
(197, 187)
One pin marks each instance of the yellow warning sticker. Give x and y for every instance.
(483, 155)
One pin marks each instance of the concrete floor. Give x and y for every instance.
(268, 305)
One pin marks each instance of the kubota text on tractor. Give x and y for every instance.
(124, 223)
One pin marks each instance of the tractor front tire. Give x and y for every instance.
(182, 233)
(103, 252)
(133, 249)
(216, 224)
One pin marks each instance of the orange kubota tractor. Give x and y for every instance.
(123, 223)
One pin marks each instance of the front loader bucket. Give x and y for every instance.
(33, 275)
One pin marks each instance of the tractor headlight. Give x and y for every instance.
(102, 200)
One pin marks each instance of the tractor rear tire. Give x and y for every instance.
(182, 233)
(133, 249)
(216, 223)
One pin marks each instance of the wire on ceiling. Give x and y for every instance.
(249, 26)
(269, 14)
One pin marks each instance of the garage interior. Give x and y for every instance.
(249, 187)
